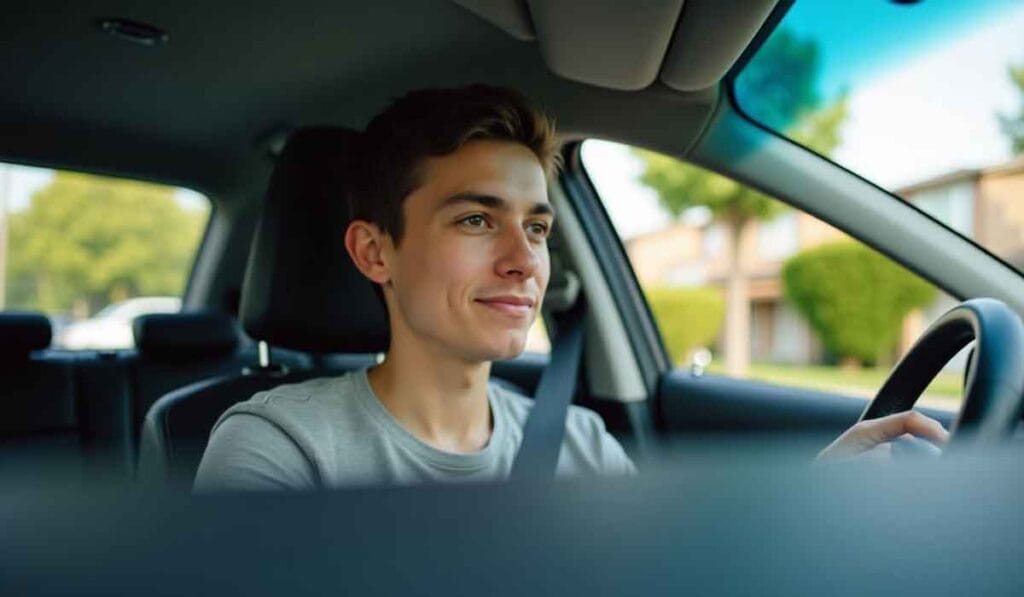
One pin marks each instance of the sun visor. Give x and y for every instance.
(608, 43)
(710, 38)
(627, 46)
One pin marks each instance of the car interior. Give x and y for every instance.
(257, 108)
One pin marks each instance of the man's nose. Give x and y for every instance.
(518, 256)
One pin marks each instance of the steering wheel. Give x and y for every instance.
(994, 389)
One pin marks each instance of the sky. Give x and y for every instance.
(18, 183)
(923, 104)
(894, 33)
(937, 113)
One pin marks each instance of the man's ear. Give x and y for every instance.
(365, 243)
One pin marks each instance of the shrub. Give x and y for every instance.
(853, 297)
(687, 317)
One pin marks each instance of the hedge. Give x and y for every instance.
(688, 318)
(854, 298)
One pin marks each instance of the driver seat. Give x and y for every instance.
(301, 291)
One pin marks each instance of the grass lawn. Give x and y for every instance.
(944, 392)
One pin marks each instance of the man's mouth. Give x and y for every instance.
(517, 306)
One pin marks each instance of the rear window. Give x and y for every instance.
(94, 252)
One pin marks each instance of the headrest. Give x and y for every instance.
(301, 290)
(21, 332)
(185, 336)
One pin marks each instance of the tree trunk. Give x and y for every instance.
(737, 304)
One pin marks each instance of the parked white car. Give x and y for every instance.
(111, 327)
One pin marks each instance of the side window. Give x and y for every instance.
(767, 292)
(93, 252)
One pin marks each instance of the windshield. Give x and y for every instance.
(925, 99)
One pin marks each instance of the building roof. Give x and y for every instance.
(1012, 166)
(941, 180)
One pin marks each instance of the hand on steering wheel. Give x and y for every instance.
(879, 438)
(994, 391)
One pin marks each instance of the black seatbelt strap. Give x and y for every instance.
(545, 426)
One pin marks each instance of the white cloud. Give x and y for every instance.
(633, 207)
(18, 183)
(936, 114)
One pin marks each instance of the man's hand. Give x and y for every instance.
(873, 438)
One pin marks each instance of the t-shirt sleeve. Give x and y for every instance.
(613, 458)
(596, 450)
(249, 453)
(615, 461)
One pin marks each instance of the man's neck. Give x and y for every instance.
(440, 399)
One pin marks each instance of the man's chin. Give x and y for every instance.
(507, 350)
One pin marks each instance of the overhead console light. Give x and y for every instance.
(136, 32)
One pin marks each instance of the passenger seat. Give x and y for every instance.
(178, 349)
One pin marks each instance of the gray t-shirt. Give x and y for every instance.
(334, 432)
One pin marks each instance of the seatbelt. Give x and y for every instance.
(545, 426)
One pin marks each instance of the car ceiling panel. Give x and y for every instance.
(194, 110)
(511, 16)
(222, 75)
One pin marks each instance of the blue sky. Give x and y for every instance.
(864, 38)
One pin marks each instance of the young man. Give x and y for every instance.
(451, 221)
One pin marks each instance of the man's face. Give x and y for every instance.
(470, 271)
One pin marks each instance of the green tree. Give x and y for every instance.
(780, 82)
(99, 240)
(854, 298)
(779, 85)
(688, 318)
(1013, 126)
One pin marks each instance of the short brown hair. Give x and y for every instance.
(435, 122)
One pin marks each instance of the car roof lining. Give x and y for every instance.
(198, 111)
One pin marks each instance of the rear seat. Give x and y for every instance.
(37, 389)
(86, 408)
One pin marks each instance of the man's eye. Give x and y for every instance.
(538, 228)
(474, 221)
